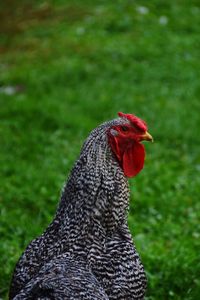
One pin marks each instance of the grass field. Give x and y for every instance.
(67, 66)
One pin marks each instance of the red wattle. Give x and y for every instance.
(133, 159)
(130, 155)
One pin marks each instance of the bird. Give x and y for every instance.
(87, 251)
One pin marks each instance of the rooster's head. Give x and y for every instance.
(125, 141)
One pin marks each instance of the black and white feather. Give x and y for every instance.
(87, 251)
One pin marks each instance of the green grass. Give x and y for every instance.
(75, 65)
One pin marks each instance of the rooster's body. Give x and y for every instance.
(87, 251)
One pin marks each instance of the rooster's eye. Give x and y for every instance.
(124, 128)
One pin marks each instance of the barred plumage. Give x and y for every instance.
(87, 251)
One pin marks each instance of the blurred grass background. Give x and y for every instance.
(65, 67)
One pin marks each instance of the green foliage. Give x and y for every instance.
(67, 66)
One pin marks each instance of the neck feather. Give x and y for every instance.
(97, 188)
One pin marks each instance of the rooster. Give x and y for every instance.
(87, 251)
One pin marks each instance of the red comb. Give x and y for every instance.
(134, 120)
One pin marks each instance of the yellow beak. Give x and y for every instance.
(146, 137)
